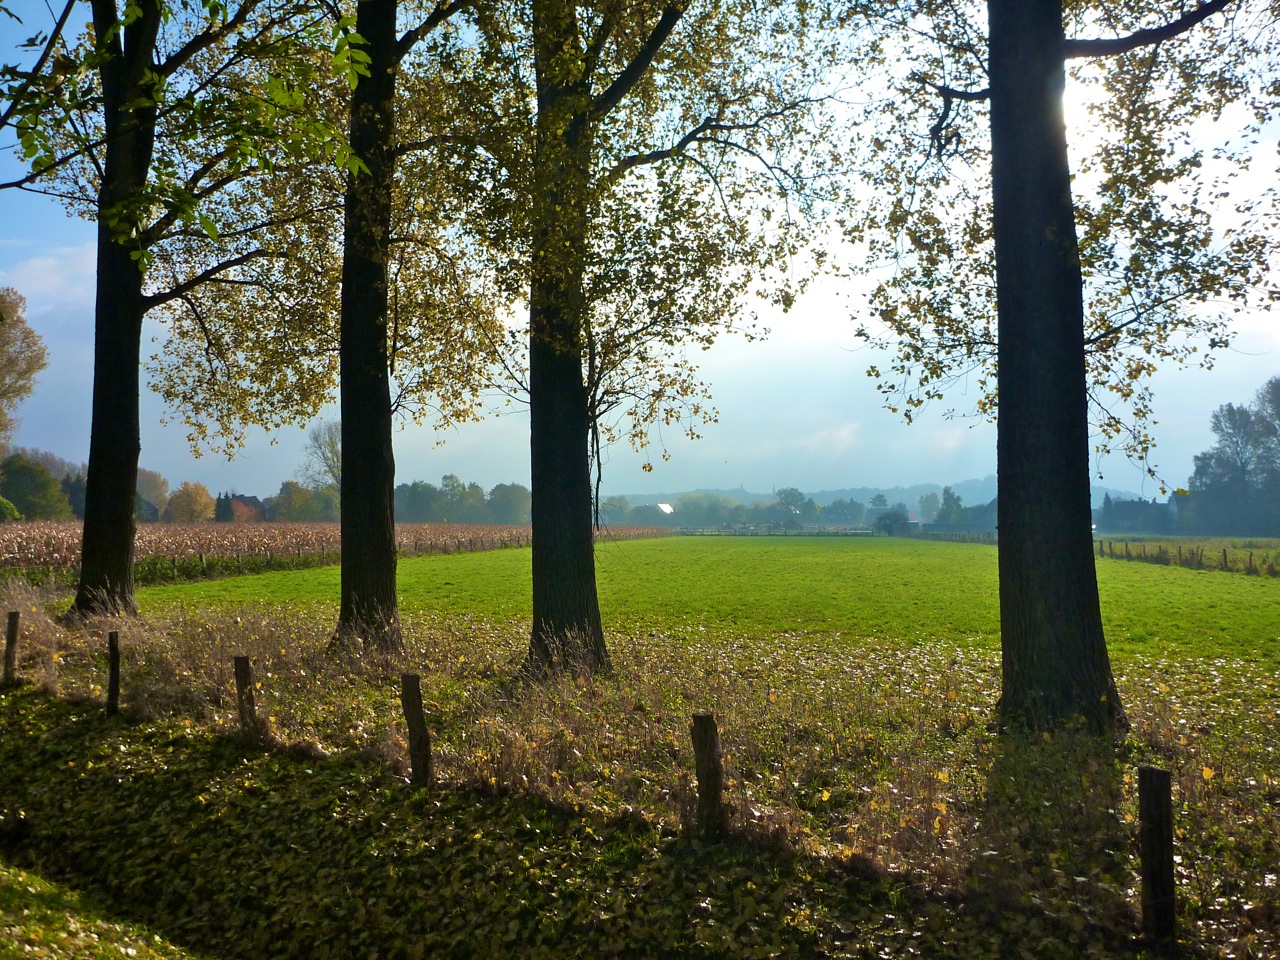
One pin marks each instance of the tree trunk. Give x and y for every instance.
(115, 441)
(368, 606)
(106, 554)
(567, 633)
(1054, 655)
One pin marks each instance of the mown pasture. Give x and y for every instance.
(852, 589)
(873, 812)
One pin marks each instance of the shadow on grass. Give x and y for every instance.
(1052, 837)
(239, 852)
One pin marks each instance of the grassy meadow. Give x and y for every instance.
(872, 810)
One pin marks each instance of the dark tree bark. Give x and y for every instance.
(1054, 656)
(368, 605)
(106, 555)
(567, 633)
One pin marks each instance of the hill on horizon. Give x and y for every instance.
(971, 492)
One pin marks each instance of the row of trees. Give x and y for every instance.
(625, 174)
(28, 480)
(1235, 488)
(789, 508)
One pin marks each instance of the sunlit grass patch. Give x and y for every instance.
(43, 919)
(851, 590)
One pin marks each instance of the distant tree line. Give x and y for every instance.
(30, 490)
(789, 508)
(1235, 488)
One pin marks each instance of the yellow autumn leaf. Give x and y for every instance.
(1208, 773)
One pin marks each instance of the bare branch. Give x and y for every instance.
(439, 15)
(205, 39)
(1144, 38)
(698, 134)
(36, 70)
(634, 70)
(158, 299)
(938, 136)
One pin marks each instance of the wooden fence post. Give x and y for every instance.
(1224, 558)
(113, 673)
(244, 696)
(11, 649)
(420, 771)
(1155, 830)
(710, 771)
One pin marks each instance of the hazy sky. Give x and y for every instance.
(795, 410)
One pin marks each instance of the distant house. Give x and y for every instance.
(666, 508)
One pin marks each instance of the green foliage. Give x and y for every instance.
(22, 357)
(33, 490)
(1236, 485)
(508, 503)
(8, 511)
(296, 502)
(892, 521)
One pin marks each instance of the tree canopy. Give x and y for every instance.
(22, 357)
(33, 490)
(1173, 234)
(1235, 488)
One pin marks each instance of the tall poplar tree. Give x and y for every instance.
(138, 122)
(664, 174)
(1057, 331)
(379, 303)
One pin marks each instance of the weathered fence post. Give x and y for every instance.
(11, 648)
(113, 673)
(1224, 558)
(710, 771)
(244, 696)
(1155, 830)
(1101, 552)
(420, 772)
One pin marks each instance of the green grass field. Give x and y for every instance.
(853, 589)
(872, 810)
